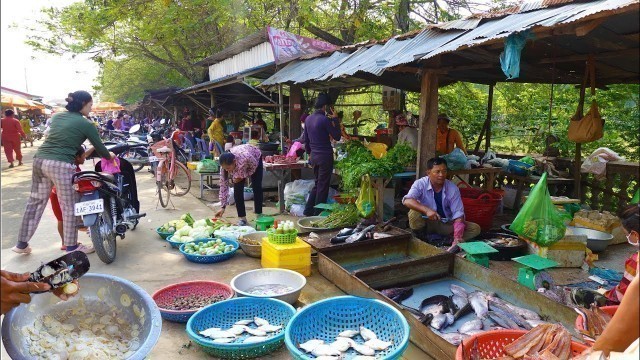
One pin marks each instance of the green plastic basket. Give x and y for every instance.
(281, 239)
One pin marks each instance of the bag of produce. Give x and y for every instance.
(539, 220)
(207, 166)
(456, 160)
(377, 149)
(296, 192)
(366, 202)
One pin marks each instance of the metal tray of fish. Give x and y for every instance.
(432, 275)
(321, 240)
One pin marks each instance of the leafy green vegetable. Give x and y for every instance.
(342, 216)
(188, 219)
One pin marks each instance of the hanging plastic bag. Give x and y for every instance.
(377, 149)
(456, 160)
(110, 166)
(596, 163)
(539, 220)
(294, 148)
(636, 197)
(510, 57)
(366, 202)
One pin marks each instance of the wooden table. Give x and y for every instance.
(281, 171)
(489, 173)
(380, 183)
(523, 181)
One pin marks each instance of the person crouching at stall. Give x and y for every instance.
(318, 132)
(240, 163)
(438, 199)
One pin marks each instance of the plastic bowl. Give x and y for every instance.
(177, 244)
(305, 223)
(253, 250)
(247, 280)
(325, 319)
(163, 235)
(165, 296)
(112, 290)
(597, 241)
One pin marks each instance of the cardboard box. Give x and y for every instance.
(569, 252)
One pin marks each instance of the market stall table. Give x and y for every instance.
(208, 181)
(489, 173)
(281, 171)
(522, 181)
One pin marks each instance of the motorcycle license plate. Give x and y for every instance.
(153, 159)
(89, 207)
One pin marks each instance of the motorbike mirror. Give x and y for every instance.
(134, 129)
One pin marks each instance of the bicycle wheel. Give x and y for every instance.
(137, 156)
(181, 180)
(163, 189)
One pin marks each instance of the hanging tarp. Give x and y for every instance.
(287, 46)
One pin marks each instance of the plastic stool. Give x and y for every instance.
(264, 223)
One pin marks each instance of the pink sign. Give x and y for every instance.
(287, 46)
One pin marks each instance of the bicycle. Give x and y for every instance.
(172, 176)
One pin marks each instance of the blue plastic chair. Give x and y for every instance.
(201, 148)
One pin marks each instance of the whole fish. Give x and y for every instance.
(441, 321)
(397, 294)
(367, 334)
(525, 313)
(463, 311)
(363, 349)
(342, 344)
(502, 320)
(479, 304)
(475, 324)
(534, 323)
(438, 304)
(378, 345)
(254, 339)
(423, 318)
(311, 344)
(459, 301)
(325, 350)
(519, 320)
(458, 290)
(474, 332)
(454, 338)
(349, 333)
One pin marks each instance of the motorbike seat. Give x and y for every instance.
(108, 176)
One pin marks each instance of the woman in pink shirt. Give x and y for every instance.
(240, 163)
(11, 134)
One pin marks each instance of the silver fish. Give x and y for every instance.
(349, 333)
(223, 340)
(237, 329)
(458, 290)
(441, 321)
(342, 344)
(325, 350)
(255, 332)
(217, 334)
(254, 339)
(454, 338)
(474, 332)
(534, 323)
(475, 324)
(503, 321)
(459, 301)
(378, 345)
(479, 304)
(243, 322)
(367, 334)
(311, 344)
(525, 313)
(270, 328)
(434, 309)
(363, 349)
(503, 310)
(260, 321)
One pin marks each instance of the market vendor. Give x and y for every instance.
(240, 163)
(406, 133)
(438, 199)
(257, 120)
(447, 138)
(318, 132)
(216, 133)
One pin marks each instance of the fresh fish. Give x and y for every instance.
(458, 290)
(520, 321)
(438, 304)
(345, 231)
(243, 322)
(260, 321)
(378, 345)
(475, 324)
(311, 344)
(459, 301)
(237, 329)
(502, 320)
(256, 332)
(441, 321)
(367, 335)
(325, 350)
(525, 313)
(269, 328)
(479, 304)
(217, 334)
(534, 323)
(349, 333)
(397, 294)
(223, 340)
(364, 349)
(342, 344)
(423, 318)
(454, 338)
(474, 332)
(463, 311)
(254, 339)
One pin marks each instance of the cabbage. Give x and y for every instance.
(184, 230)
(200, 223)
(199, 233)
(186, 239)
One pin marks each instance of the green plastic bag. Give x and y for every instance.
(528, 160)
(207, 166)
(366, 202)
(636, 197)
(539, 220)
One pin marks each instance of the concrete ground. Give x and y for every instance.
(142, 257)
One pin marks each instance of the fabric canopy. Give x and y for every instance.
(106, 106)
(10, 100)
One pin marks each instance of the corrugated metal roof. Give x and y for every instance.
(374, 57)
(236, 48)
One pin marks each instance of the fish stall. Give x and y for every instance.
(444, 297)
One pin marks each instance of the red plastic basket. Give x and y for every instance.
(491, 344)
(607, 309)
(481, 209)
(166, 295)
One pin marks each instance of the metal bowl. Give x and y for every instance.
(305, 223)
(111, 288)
(253, 250)
(597, 241)
(247, 280)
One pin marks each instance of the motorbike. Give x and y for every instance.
(137, 153)
(109, 204)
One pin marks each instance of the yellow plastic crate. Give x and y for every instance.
(286, 256)
(192, 165)
(304, 270)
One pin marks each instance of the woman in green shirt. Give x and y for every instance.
(53, 164)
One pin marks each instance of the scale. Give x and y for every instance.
(477, 252)
(533, 274)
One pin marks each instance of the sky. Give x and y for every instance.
(24, 69)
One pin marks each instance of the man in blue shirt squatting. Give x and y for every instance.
(436, 206)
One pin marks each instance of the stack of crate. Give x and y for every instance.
(296, 256)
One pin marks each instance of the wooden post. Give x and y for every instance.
(488, 120)
(213, 98)
(281, 108)
(428, 120)
(577, 176)
(295, 111)
(175, 115)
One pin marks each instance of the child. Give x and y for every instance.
(81, 156)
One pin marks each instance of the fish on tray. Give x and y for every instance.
(397, 294)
